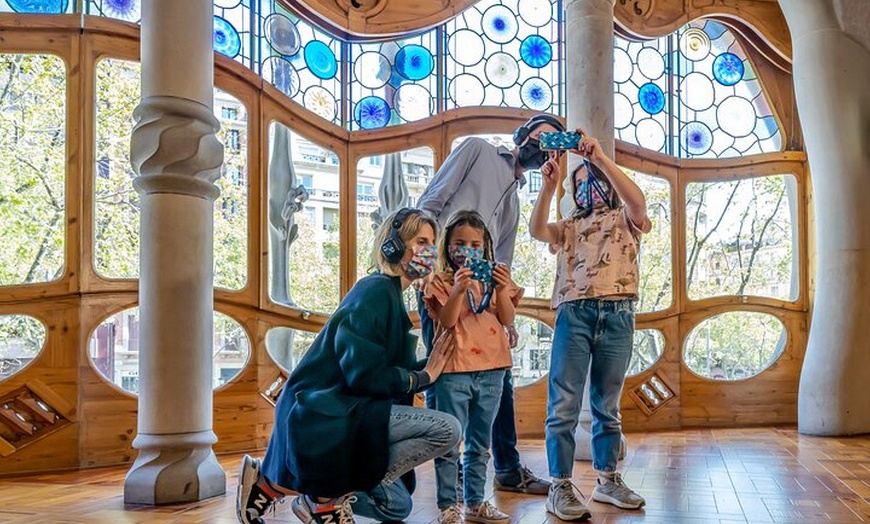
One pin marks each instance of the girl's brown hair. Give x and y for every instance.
(462, 218)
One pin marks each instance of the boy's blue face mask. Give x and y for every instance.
(590, 193)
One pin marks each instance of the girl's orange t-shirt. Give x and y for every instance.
(481, 341)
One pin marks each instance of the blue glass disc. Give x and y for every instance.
(651, 98)
(499, 24)
(45, 7)
(536, 94)
(728, 69)
(536, 51)
(320, 60)
(414, 62)
(372, 112)
(129, 10)
(696, 138)
(226, 38)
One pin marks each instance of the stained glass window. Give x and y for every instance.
(505, 53)
(692, 94)
(393, 82)
(43, 7)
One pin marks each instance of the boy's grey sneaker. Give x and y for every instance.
(450, 515)
(521, 481)
(252, 502)
(486, 513)
(617, 493)
(562, 502)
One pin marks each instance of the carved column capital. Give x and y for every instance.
(174, 147)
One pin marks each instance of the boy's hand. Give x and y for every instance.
(501, 274)
(589, 147)
(550, 171)
(461, 280)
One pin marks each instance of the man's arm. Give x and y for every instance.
(450, 176)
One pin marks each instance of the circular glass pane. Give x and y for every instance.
(413, 102)
(695, 44)
(320, 102)
(696, 138)
(536, 51)
(123, 9)
(532, 354)
(282, 34)
(736, 116)
(45, 7)
(372, 70)
(697, 91)
(414, 62)
(372, 112)
(622, 67)
(649, 344)
(226, 38)
(623, 112)
(536, 94)
(287, 346)
(502, 70)
(281, 74)
(499, 24)
(466, 90)
(650, 134)
(114, 349)
(536, 13)
(466, 47)
(21, 340)
(734, 345)
(651, 63)
(226, 4)
(728, 69)
(651, 98)
(320, 60)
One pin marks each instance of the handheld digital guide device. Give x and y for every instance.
(481, 269)
(558, 140)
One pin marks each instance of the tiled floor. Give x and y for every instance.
(688, 477)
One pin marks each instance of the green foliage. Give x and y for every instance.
(33, 157)
(21, 340)
(314, 267)
(654, 260)
(734, 345)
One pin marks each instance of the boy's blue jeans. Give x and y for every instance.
(505, 456)
(472, 398)
(593, 336)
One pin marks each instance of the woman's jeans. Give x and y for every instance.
(593, 336)
(473, 398)
(416, 436)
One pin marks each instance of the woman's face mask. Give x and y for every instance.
(459, 254)
(422, 262)
(530, 155)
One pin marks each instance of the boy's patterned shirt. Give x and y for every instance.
(597, 257)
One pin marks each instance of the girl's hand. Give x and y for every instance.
(589, 147)
(550, 171)
(502, 276)
(443, 350)
(461, 280)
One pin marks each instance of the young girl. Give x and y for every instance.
(471, 384)
(596, 285)
(340, 426)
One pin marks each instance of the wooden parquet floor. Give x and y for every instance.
(721, 476)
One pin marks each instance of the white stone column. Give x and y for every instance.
(831, 79)
(177, 157)
(589, 93)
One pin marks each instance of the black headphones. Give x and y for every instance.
(522, 132)
(393, 248)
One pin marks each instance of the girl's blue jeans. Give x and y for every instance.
(473, 398)
(594, 337)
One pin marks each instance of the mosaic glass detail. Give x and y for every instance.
(692, 94)
(226, 38)
(283, 75)
(45, 7)
(127, 10)
(281, 34)
(505, 53)
(402, 74)
(371, 112)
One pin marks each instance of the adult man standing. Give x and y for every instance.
(480, 176)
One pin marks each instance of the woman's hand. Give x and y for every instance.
(461, 280)
(443, 350)
(550, 171)
(502, 276)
